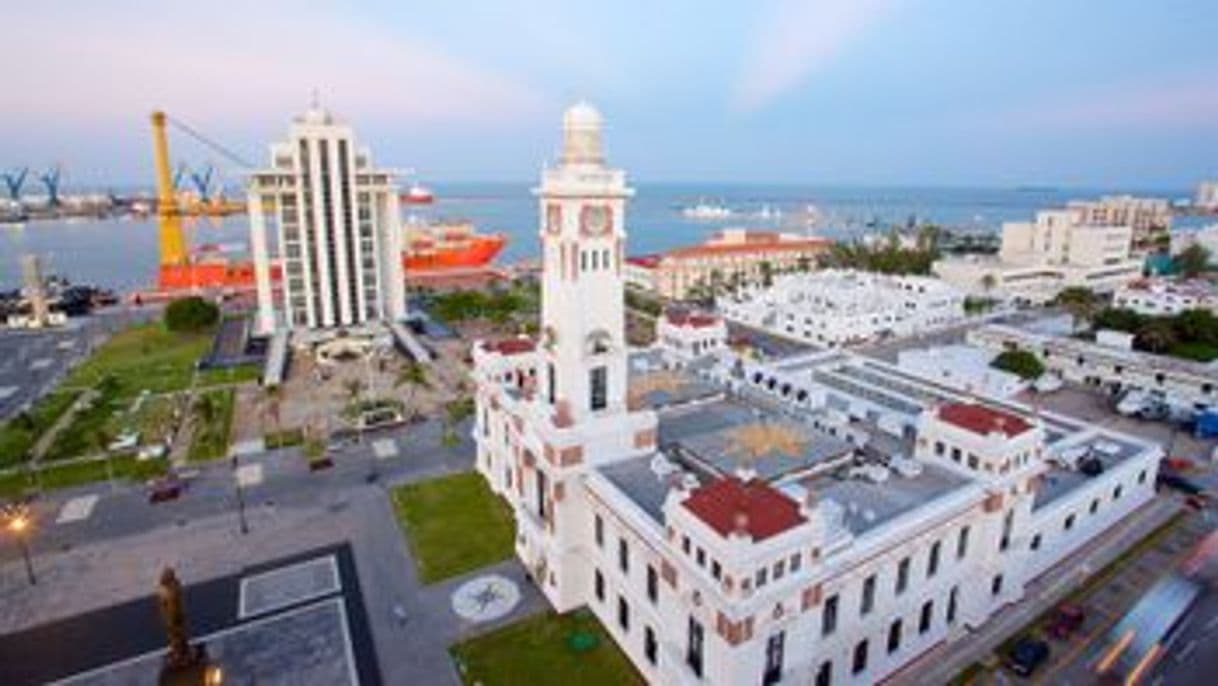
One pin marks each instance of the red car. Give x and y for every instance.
(1068, 618)
(164, 488)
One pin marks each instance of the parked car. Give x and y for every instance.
(163, 488)
(1066, 620)
(1028, 654)
(1179, 483)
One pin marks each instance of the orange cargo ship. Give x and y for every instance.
(448, 245)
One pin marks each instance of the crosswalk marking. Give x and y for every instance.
(41, 363)
(384, 449)
(77, 509)
(249, 475)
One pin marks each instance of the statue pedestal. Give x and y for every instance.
(192, 669)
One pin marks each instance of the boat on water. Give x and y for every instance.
(448, 245)
(418, 195)
(707, 211)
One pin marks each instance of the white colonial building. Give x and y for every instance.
(1161, 297)
(337, 230)
(689, 334)
(821, 520)
(835, 307)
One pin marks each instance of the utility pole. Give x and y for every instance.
(245, 527)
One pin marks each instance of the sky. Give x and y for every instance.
(1075, 93)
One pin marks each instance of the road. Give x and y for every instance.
(1192, 657)
(32, 362)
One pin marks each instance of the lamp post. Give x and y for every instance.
(245, 527)
(19, 523)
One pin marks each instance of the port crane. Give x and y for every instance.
(14, 181)
(50, 179)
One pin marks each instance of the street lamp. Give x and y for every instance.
(245, 527)
(18, 523)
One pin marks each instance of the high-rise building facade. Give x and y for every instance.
(337, 234)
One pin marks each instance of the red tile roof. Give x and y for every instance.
(983, 420)
(510, 346)
(749, 246)
(679, 317)
(648, 261)
(728, 504)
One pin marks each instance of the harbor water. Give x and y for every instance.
(121, 253)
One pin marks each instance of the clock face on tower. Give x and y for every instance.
(595, 220)
(554, 218)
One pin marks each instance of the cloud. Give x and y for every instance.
(1187, 100)
(255, 64)
(795, 38)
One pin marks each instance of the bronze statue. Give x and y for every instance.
(184, 663)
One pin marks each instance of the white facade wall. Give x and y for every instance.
(1163, 298)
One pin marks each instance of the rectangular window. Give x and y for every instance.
(902, 575)
(762, 576)
(773, 659)
(599, 526)
(1035, 542)
(828, 618)
(928, 609)
(824, 675)
(951, 604)
(868, 601)
(716, 570)
(962, 543)
(700, 557)
(649, 645)
(932, 563)
(1008, 522)
(894, 636)
(541, 494)
(1069, 523)
(623, 556)
(796, 560)
(623, 614)
(600, 586)
(996, 585)
(551, 383)
(860, 657)
(598, 388)
(653, 585)
(693, 652)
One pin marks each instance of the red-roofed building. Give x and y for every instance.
(510, 346)
(729, 505)
(730, 254)
(983, 420)
(688, 333)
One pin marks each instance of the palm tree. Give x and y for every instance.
(1079, 301)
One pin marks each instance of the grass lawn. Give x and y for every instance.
(143, 357)
(76, 439)
(283, 438)
(52, 477)
(536, 651)
(210, 440)
(240, 374)
(454, 524)
(18, 435)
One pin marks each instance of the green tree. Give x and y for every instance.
(1192, 261)
(1196, 326)
(455, 412)
(1118, 319)
(1020, 362)
(767, 273)
(1079, 301)
(1156, 335)
(191, 314)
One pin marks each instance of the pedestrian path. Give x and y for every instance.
(77, 509)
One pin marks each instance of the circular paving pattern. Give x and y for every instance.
(485, 598)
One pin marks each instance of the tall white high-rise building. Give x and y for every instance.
(337, 231)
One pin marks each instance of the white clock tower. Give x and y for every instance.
(583, 237)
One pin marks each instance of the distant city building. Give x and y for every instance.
(1206, 237)
(337, 230)
(729, 257)
(836, 307)
(1038, 259)
(687, 335)
(1207, 195)
(962, 367)
(1148, 218)
(1160, 297)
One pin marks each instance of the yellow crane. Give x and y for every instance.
(172, 239)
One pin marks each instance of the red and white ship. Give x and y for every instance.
(418, 195)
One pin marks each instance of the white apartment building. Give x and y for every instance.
(962, 367)
(840, 307)
(1038, 259)
(1207, 195)
(753, 535)
(1160, 297)
(1205, 236)
(1182, 382)
(1148, 218)
(687, 334)
(336, 227)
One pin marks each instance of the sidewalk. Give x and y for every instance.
(941, 665)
